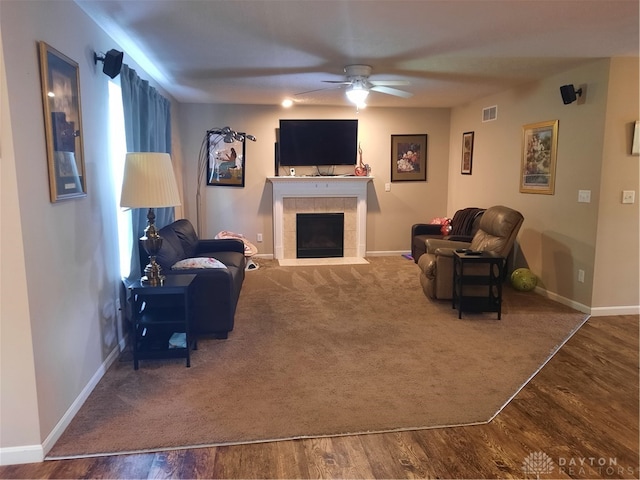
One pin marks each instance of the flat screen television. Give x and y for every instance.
(318, 142)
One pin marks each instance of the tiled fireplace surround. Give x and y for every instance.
(292, 195)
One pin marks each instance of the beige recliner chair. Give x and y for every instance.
(497, 233)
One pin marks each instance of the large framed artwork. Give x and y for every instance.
(226, 162)
(408, 158)
(539, 153)
(467, 153)
(60, 81)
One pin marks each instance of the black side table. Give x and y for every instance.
(161, 319)
(479, 269)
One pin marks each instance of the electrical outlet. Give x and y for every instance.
(259, 237)
(387, 187)
(628, 196)
(581, 276)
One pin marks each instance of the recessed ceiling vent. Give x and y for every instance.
(490, 114)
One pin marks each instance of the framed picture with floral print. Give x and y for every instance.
(539, 153)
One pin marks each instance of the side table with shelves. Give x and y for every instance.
(481, 272)
(159, 314)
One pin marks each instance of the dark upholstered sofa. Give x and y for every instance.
(464, 226)
(215, 290)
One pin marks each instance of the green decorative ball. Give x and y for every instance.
(523, 279)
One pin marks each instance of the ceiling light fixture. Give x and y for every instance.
(287, 102)
(357, 93)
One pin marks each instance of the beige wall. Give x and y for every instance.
(558, 236)
(59, 265)
(60, 269)
(69, 255)
(617, 259)
(18, 405)
(249, 210)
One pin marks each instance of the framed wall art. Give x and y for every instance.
(60, 81)
(225, 165)
(635, 142)
(539, 152)
(408, 158)
(467, 153)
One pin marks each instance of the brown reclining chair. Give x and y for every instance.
(497, 233)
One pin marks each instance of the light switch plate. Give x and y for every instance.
(628, 196)
(584, 196)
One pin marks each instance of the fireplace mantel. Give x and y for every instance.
(319, 187)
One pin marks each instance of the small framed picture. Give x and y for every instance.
(408, 158)
(225, 165)
(539, 153)
(467, 153)
(60, 79)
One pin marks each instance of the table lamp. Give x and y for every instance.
(149, 182)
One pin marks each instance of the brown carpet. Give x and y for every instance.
(325, 350)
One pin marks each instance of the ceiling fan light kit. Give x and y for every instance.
(359, 85)
(357, 93)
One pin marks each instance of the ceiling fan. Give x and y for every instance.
(359, 85)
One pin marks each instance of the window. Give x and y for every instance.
(117, 152)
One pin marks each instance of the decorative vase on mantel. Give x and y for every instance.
(361, 170)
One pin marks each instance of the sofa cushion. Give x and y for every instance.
(171, 250)
(188, 238)
(230, 259)
(198, 262)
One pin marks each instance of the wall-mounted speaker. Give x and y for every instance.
(112, 62)
(569, 93)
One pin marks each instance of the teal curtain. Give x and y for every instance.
(147, 123)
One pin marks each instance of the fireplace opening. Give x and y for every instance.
(319, 235)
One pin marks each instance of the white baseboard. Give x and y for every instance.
(618, 310)
(22, 454)
(386, 253)
(37, 453)
(563, 300)
(64, 422)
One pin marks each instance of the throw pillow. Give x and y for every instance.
(198, 262)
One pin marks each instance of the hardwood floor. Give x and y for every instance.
(580, 413)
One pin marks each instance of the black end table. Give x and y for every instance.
(477, 269)
(161, 319)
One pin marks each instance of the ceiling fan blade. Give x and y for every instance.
(316, 90)
(391, 91)
(342, 82)
(389, 82)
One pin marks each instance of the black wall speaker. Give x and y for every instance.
(568, 93)
(112, 62)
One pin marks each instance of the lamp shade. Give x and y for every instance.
(149, 181)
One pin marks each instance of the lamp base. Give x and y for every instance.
(152, 243)
(152, 276)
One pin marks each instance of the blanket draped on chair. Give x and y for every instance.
(462, 222)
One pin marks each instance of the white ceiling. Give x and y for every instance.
(452, 51)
